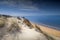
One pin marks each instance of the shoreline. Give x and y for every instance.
(53, 27)
(49, 30)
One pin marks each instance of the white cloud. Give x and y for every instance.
(22, 4)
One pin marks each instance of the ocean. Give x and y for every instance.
(52, 21)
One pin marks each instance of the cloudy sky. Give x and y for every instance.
(30, 7)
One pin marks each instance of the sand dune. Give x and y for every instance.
(15, 28)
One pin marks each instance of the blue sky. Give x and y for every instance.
(29, 8)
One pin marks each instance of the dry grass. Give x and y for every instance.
(1, 23)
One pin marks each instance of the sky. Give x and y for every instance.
(39, 11)
(30, 7)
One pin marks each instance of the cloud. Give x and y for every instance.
(29, 6)
(26, 4)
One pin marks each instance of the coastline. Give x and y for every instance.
(49, 30)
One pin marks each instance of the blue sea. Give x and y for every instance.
(52, 21)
